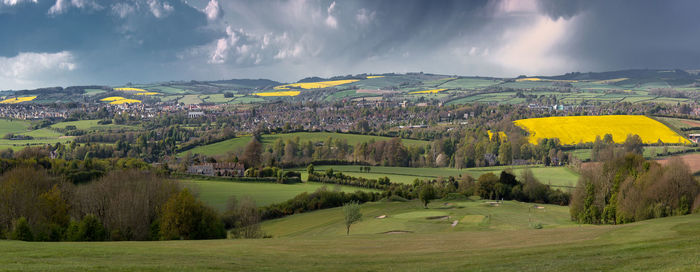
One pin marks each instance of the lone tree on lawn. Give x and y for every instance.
(352, 214)
(426, 194)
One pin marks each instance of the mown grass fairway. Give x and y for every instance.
(559, 176)
(216, 193)
(237, 144)
(669, 244)
(411, 217)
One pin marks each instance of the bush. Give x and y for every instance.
(185, 217)
(21, 230)
(395, 198)
(90, 229)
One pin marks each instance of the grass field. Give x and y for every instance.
(90, 125)
(239, 143)
(12, 126)
(669, 244)
(411, 217)
(557, 176)
(190, 99)
(216, 193)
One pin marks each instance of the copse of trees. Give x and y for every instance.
(628, 188)
(36, 205)
(329, 176)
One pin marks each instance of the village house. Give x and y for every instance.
(229, 169)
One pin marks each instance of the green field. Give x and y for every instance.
(236, 144)
(12, 126)
(475, 215)
(557, 176)
(649, 151)
(92, 125)
(216, 193)
(669, 244)
(190, 99)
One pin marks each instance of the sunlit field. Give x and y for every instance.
(315, 85)
(16, 100)
(282, 93)
(126, 89)
(433, 91)
(571, 130)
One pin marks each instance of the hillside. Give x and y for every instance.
(660, 244)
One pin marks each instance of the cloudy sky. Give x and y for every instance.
(72, 42)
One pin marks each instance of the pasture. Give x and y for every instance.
(572, 130)
(556, 176)
(12, 126)
(217, 192)
(660, 244)
(92, 125)
(239, 143)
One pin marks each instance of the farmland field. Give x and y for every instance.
(216, 193)
(12, 126)
(557, 176)
(92, 125)
(239, 143)
(659, 244)
(577, 129)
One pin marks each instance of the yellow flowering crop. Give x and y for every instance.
(146, 93)
(124, 101)
(371, 77)
(528, 79)
(17, 100)
(112, 98)
(572, 130)
(119, 100)
(315, 85)
(433, 91)
(282, 93)
(130, 89)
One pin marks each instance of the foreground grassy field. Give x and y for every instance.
(557, 176)
(238, 144)
(216, 193)
(667, 244)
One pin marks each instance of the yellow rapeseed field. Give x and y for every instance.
(124, 101)
(130, 89)
(433, 91)
(572, 130)
(528, 79)
(112, 98)
(17, 100)
(282, 93)
(371, 77)
(315, 85)
(119, 100)
(147, 93)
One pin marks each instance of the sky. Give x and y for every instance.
(47, 43)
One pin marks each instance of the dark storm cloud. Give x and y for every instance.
(153, 40)
(132, 25)
(637, 34)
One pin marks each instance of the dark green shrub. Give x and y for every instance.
(21, 230)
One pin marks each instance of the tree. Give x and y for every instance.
(252, 155)
(310, 169)
(352, 213)
(185, 217)
(427, 193)
(22, 230)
